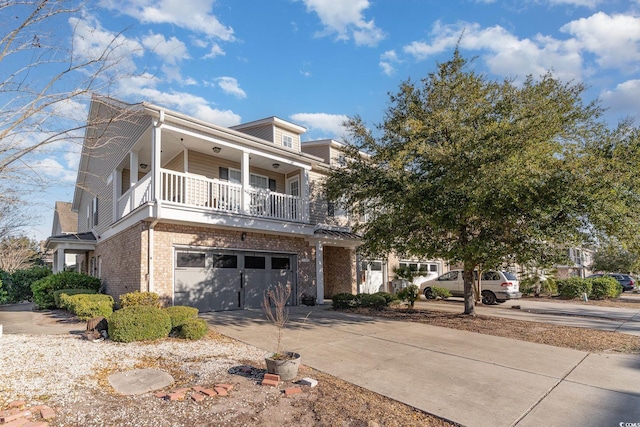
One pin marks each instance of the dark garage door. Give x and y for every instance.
(229, 280)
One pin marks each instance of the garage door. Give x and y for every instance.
(229, 280)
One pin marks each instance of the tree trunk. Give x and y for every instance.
(469, 303)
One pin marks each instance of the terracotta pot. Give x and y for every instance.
(286, 366)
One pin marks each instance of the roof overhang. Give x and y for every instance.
(72, 243)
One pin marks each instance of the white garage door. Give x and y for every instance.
(213, 280)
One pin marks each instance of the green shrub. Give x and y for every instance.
(139, 323)
(388, 297)
(439, 292)
(193, 329)
(69, 292)
(179, 314)
(3, 282)
(344, 300)
(43, 289)
(604, 287)
(374, 301)
(409, 294)
(573, 287)
(140, 298)
(21, 281)
(88, 306)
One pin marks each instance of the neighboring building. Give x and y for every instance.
(201, 214)
(580, 261)
(65, 233)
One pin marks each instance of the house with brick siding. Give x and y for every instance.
(202, 214)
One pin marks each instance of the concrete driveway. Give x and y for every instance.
(472, 379)
(22, 319)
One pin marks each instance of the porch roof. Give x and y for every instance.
(74, 242)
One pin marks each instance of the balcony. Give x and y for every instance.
(213, 195)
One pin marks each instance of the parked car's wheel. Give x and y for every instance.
(428, 294)
(488, 298)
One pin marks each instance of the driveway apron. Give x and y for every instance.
(469, 378)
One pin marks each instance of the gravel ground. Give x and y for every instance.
(70, 374)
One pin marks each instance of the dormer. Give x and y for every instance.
(273, 129)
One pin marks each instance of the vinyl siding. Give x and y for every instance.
(176, 164)
(318, 206)
(322, 151)
(209, 166)
(102, 157)
(263, 132)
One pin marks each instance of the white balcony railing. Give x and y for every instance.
(137, 195)
(199, 191)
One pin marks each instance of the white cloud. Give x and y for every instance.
(506, 54)
(329, 123)
(194, 15)
(216, 50)
(614, 39)
(346, 20)
(229, 85)
(143, 88)
(91, 41)
(388, 61)
(172, 50)
(624, 98)
(586, 3)
(51, 169)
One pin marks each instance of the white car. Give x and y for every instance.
(496, 285)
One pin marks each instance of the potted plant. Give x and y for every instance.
(282, 363)
(308, 300)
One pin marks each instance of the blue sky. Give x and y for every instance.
(315, 62)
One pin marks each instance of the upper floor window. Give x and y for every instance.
(258, 181)
(92, 213)
(287, 141)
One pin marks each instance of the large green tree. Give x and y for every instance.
(474, 171)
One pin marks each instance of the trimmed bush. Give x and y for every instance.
(573, 287)
(69, 292)
(193, 329)
(19, 288)
(139, 298)
(179, 314)
(139, 323)
(374, 301)
(409, 294)
(43, 289)
(604, 287)
(88, 306)
(439, 292)
(344, 300)
(389, 298)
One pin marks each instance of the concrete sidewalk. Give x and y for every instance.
(472, 379)
(577, 314)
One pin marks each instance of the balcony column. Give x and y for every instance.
(304, 194)
(319, 272)
(156, 147)
(133, 168)
(116, 181)
(245, 196)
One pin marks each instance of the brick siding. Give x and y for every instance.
(339, 271)
(124, 265)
